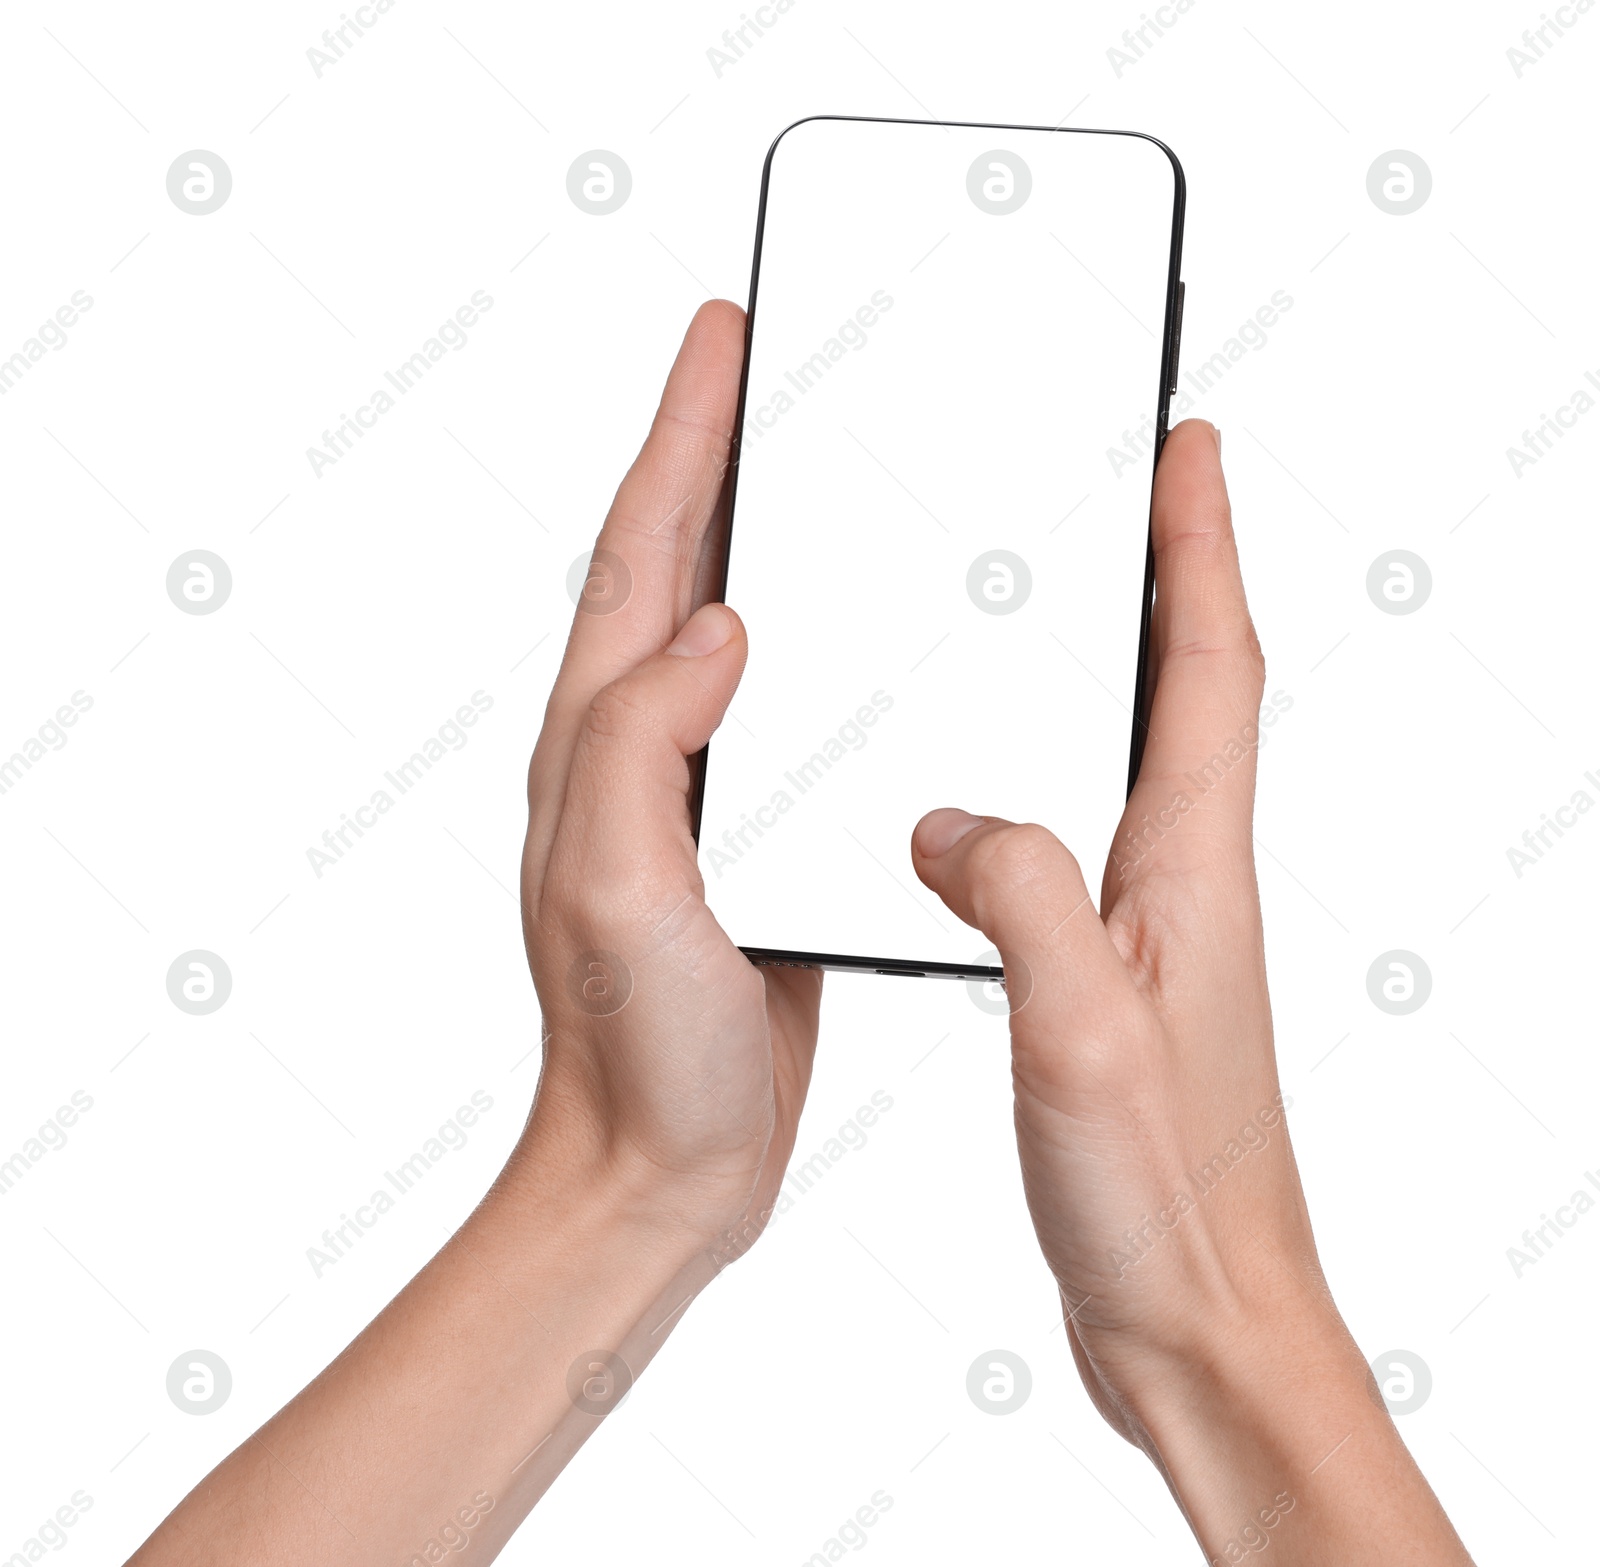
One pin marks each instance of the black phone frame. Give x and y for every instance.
(772, 957)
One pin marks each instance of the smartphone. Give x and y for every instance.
(961, 344)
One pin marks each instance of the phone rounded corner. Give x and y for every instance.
(794, 125)
(1180, 180)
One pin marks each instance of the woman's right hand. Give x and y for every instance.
(1150, 1122)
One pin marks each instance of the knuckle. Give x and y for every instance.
(593, 895)
(668, 495)
(1231, 650)
(617, 712)
(1017, 857)
(1255, 659)
(1197, 552)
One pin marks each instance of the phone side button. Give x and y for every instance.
(1177, 343)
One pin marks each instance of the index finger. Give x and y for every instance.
(1206, 660)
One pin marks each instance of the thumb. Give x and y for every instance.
(1022, 887)
(628, 785)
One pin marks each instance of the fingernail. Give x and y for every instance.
(1218, 433)
(940, 831)
(707, 629)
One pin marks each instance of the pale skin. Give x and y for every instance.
(1142, 1046)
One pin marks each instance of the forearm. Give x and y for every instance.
(1276, 1438)
(454, 1411)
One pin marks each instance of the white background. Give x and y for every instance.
(430, 563)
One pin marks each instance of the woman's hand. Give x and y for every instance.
(674, 1072)
(1142, 1036)
(1150, 1122)
(669, 1059)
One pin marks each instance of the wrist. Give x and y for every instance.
(1279, 1378)
(609, 1187)
(1267, 1428)
(601, 1272)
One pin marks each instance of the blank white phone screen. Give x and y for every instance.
(939, 530)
